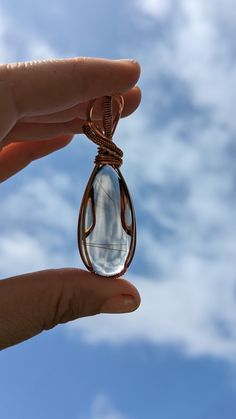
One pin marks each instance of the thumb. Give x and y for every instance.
(38, 301)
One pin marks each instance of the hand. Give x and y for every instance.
(42, 104)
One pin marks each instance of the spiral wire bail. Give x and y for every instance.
(108, 151)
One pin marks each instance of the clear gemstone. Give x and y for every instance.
(107, 224)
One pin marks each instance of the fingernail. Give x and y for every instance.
(129, 60)
(119, 304)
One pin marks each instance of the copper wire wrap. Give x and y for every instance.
(108, 152)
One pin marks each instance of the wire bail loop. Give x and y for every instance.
(108, 152)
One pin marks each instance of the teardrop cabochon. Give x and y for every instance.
(107, 227)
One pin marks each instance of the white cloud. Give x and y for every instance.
(197, 49)
(38, 49)
(193, 306)
(155, 8)
(194, 311)
(35, 48)
(102, 409)
(39, 225)
(42, 201)
(182, 173)
(20, 250)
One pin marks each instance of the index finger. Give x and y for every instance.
(41, 87)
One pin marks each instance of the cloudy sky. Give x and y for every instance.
(176, 356)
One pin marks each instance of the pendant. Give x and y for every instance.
(106, 226)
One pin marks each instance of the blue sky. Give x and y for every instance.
(175, 356)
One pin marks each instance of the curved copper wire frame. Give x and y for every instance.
(107, 116)
(82, 233)
(105, 156)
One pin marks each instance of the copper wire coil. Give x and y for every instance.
(108, 152)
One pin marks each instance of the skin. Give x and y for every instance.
(42, 104)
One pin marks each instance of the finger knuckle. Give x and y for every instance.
(69, 300)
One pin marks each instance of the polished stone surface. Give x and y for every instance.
(108, 219)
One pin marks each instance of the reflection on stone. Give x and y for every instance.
(106, 223)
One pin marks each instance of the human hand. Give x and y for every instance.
(42, 104)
